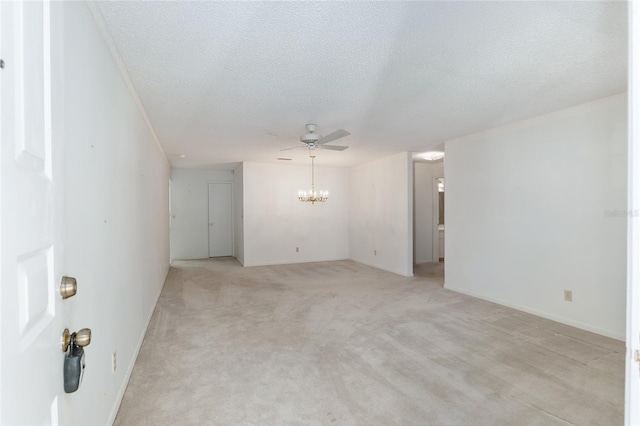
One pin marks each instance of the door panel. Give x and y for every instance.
(31, 214)
(220, 220)
(632, 391)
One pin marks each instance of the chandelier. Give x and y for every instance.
(313, 195)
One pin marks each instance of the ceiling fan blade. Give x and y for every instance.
(334, 147)
(295, 147)
(341, 133)
(278, 135)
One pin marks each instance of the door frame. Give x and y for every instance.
(632, 384)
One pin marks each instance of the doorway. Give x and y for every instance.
(439, 214)
(426, 219)
(220, 219)
(426, 212)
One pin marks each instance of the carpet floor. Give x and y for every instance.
(340, 343)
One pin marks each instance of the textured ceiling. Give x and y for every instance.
(217, 79)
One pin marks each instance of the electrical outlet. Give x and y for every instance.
(375, 252)
(568, 295)
(297, 249)
(114, 363)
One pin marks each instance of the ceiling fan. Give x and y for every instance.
(313, 140)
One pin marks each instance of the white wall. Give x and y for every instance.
(190, 211)
(424, 219)
(381, 214)
(526, 215)
(117, 242)
(276, 222)
(238, 213)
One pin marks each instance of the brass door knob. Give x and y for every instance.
(66, 340)
(68, 287)
(83, 337)
(80, 338)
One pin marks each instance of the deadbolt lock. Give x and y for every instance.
(79, 338)
(68, 287)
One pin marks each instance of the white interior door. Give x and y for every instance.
(220, 220)
(632, 394)
(31, 214)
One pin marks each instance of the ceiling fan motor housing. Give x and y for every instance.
(310, 138)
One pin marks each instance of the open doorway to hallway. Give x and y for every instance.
(428, 214)
(439, 210)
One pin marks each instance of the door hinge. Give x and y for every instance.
(2, 63)
(636, 355)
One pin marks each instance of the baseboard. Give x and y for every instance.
(549, 316)
(402, 274)
(127, 374)
(289, 262)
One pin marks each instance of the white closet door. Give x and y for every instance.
(220, 220)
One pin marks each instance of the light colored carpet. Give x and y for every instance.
(340, 343)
